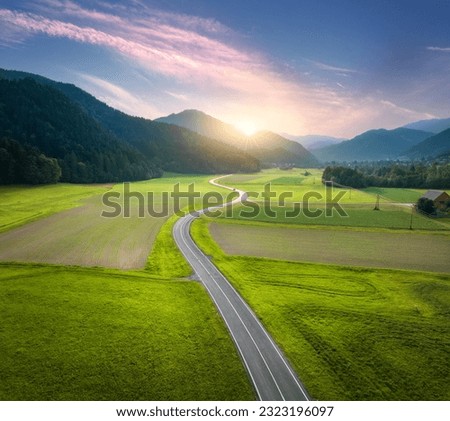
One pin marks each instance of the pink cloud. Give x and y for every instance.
(190, 50)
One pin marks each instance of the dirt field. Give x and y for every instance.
(356, 248)
(82, 237)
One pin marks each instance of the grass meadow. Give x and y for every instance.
(351, 333)
(308, 200)
(89, 333)
(296, 185)
(94, 334)
(71, 331)
(396, 194)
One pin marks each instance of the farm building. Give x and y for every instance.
(439, 198)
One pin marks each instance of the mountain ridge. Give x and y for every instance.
(270, 148)
(434, 125)
(313, 141)
(432, 147)
(166, 147)
(373, 145)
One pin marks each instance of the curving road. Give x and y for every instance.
(271, 375)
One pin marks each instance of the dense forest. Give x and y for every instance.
(40, 117)
(25, 164)
(96, 143)
(433, 176)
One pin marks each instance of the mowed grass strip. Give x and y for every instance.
(354, 248)
(350, 333)
(92, 334)
(166, 259)
(396, 194)
(364, 216)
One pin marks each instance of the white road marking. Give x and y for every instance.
(183, 225)
(238, 315)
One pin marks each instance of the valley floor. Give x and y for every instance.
(151, 332)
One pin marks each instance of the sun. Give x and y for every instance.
(247, 127)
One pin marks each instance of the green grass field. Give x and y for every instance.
(79, 333)
(357, 205)
(165, 250)
(294, 185)
(93, 334)
(73, 333)
(397, 195)
(388, 217)
(350, 333)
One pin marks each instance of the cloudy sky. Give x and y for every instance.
(332, 67)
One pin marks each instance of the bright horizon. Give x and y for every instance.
(298, 67)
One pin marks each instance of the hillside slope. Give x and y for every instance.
(435, 125)
(166, 147)
(373, 145)
(432, 147)
(42, 117)
(269, 148)
(313, 142)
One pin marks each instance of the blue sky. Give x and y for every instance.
(298, 66)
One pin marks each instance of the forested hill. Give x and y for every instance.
(373, 145)
(44, 120)
(156, 146)
(432, 147)
(270, 148)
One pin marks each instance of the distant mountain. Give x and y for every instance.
(268, 147)
(206, 125)
(373, 145)
(160, 146)
(272, 148)
(431, 147)
(313, 142)
(435, 125)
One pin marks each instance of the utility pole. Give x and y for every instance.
(377, 204)
(411, 219)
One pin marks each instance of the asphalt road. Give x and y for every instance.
(272, 376)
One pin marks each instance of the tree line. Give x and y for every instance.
(26, 165)
(401, 175)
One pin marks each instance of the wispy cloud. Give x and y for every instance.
(202, 59)
(157, 45)
(443, 49)
(405, 111)
(116, 96)
(324, 66)
(182, 97)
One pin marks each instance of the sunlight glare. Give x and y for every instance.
(246, 127)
